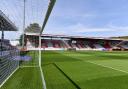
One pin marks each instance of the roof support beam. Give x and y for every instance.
(6, 24)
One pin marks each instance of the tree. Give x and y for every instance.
(20, 40)
(33, 28)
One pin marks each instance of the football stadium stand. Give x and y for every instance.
(98, 46)
(62, 42)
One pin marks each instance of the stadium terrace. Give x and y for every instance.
(64, 42)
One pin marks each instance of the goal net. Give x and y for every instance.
(12, 15)
(9, 57)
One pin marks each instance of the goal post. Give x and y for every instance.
(49, 10)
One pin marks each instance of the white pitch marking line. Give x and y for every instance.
(108, 67)
(42, 75)
(28, 66)
(43, 80)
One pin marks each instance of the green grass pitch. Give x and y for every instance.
(73, 70)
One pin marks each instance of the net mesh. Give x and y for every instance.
(10, 56)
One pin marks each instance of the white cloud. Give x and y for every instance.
(78, 29)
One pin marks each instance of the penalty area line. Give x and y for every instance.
(107, 67)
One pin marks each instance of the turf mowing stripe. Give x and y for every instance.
(9, 77)
(77, 86)
(55, 79)
(107, 67)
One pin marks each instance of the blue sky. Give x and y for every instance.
(98, 18)
(89, 18)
